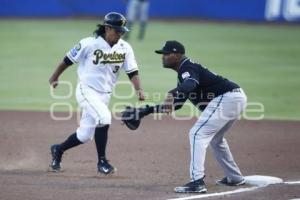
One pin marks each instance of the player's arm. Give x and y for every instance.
(59, 70)
(135, 80)
(189, 82)
(177, 103)
(186, 87)
(167, 106)
(176, 97)
(132, 116)
(131, 68)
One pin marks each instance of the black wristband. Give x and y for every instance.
(156, 109)
(146, 110)
(132, 74)
(67, 61)
(151, 109)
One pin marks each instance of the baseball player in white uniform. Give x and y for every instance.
(100, 59)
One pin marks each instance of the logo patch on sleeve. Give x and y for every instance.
(185, 75)
(78, 46)
(75, 49)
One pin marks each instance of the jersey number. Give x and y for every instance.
(116, 69)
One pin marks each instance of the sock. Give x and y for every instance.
(71, 142)
(101, 140)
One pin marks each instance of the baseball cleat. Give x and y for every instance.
(105, 168)
(56, 153)
(197, 186)
(227, 182)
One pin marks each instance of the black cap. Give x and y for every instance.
(171, 46)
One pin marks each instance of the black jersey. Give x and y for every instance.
(199, 85)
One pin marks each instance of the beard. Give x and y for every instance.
(168, 65)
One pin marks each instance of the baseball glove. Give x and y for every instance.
(132, 116)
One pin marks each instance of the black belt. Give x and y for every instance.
(236, 90)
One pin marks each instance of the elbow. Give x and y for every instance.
(177, 107)
(133, 74)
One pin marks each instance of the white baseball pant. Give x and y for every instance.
(219, 115)
(95, 111)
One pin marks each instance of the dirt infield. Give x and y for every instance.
(150, 161)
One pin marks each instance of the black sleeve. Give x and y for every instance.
(190, 72)
(132, 74)
(67, 61)
(185, 87)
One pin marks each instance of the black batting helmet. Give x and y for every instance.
(116, 21)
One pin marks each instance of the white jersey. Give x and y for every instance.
(99, 63)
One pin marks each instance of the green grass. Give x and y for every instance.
(264, 60)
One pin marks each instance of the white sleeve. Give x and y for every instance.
(130, 64)
(76, 54)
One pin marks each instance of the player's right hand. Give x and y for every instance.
(53, 82)
(141, 95)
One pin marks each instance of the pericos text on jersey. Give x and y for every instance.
(108, 57)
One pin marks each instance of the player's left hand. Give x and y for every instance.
(132, 116)
(140, 94)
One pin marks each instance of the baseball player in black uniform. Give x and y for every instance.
(221, 102)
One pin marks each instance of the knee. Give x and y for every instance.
(192, 131)
(105, 119)
(84, 134)
(198, 136)
(201, 134)
(216, 142)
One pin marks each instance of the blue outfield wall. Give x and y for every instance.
(247, 10)
(215, 9)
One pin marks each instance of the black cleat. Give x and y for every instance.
(105, 168)
(56, 153)
(227, 182)
(197, 186)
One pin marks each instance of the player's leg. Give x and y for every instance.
(57, 151)
(200, 136)
(101, 137)
(224, 157)
(94, 128)
(94, 113)
(234, 103)
(82, 135)
(130, 15)
(96, 104)
(100, 125)
(144, 7)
